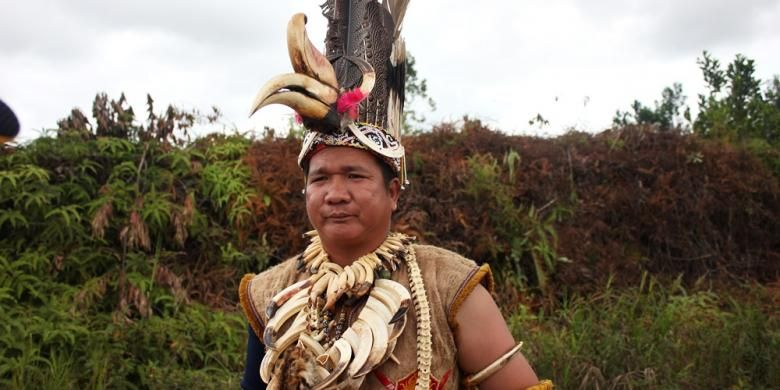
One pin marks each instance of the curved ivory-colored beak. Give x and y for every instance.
(313, 89)
(293, 82)
(305, 106)
(305, 58)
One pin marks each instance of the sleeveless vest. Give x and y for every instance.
(448, 277)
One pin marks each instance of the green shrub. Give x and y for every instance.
(529, 231)
(656, 337)
(117, 245)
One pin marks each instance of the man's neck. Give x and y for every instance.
(345, 254)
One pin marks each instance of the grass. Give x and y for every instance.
(657, 338)
(649, 337)
(47, 347)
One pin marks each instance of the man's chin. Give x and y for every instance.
(337, 232)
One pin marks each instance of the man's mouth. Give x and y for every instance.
(339, 217)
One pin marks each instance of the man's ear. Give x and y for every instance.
(394, 190)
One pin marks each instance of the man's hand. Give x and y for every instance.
(482, 337)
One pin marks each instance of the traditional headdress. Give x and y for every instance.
(354, 94)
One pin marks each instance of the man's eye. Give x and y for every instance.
(356, 176)
(317, 178)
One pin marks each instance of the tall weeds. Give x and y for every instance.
(529, 231)
(657, 337)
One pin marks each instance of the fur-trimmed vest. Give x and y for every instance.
(449, 278)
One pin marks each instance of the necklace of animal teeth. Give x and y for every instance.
(356, 279)
(371, 338)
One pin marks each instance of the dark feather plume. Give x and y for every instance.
(368, 30)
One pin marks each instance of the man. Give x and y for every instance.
(362, 307)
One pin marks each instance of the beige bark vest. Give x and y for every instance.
(449, 278)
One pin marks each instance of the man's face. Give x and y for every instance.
(346, 197)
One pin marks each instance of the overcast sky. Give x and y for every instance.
(573, 62)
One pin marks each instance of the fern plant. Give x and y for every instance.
(111, 237)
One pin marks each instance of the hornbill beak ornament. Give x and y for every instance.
(353, 94)
(312, 91)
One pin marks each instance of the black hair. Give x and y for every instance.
(387, 172)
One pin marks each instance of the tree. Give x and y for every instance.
(734, 107)
(669, 113)
(415, 88)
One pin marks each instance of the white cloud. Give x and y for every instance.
(501, 61)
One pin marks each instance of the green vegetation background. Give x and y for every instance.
(641, 257)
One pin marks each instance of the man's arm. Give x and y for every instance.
(255, 350)
(482, 337)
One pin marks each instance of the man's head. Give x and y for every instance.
(350, 197)
(9, 125)
(387, 172)
(352, 154)
(384, 146)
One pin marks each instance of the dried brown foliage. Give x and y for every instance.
(214, 286)
(101, 219)
(136, 233)
(182, 220)
(133, 297)
(92, 292)
(278, 178)
(639, 200)
(165, 277)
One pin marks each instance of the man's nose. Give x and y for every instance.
(338, 192)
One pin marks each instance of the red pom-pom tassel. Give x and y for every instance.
(348, 102)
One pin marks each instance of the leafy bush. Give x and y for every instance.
(657, 337)
(735, 108)
(118, 242)
(529, 231)
(121, 246)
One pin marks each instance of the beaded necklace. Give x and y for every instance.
(305, 315)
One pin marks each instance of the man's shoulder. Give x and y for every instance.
(434, 255)
(285, 267)
(271, 280)
(255, 290)
(445, 268)
(451, 276)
